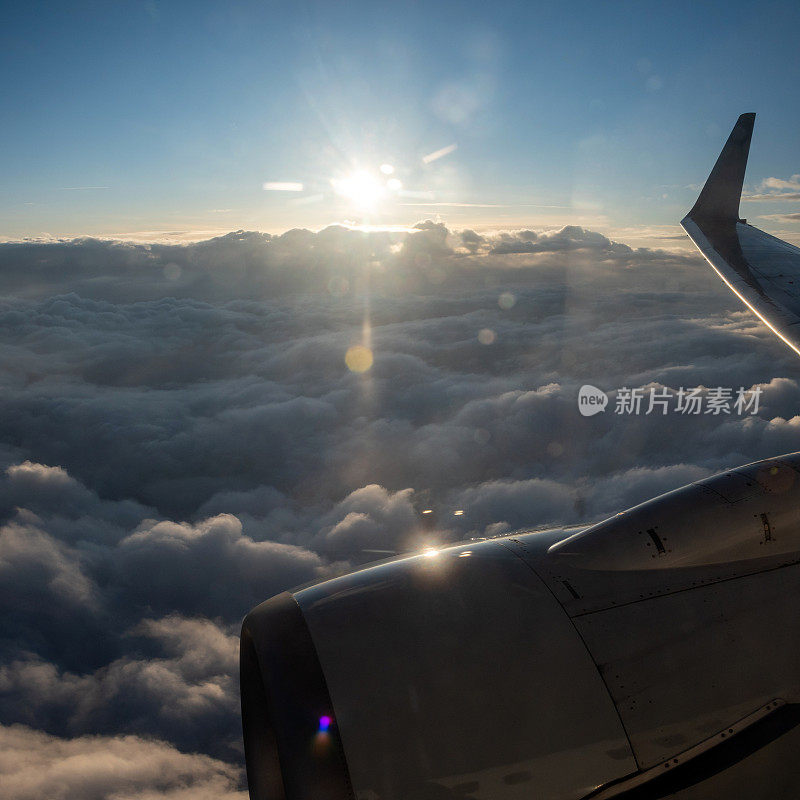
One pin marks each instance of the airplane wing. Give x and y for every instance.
(761, 270)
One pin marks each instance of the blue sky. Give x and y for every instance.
(156, 118)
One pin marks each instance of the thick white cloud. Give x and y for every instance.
(180, 438)
(34, 765)
(370, 517)
(177, 677)
(38, 565)
(169, 565)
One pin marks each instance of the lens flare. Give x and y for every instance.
(321, 744)
(283, 186)
(358, 358)
(506, 301)
(441, 153)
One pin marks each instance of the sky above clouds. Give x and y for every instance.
(166, 119)
(181, 437)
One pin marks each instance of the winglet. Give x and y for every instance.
(723, 190)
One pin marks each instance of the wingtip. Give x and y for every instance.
(722, 191)
(747, 120)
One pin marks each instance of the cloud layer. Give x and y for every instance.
(180, 438)
(35, 765)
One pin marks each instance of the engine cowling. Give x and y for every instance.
(518, 667)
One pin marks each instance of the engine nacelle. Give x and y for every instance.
(518, 667)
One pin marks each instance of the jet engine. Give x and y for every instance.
(652, 654)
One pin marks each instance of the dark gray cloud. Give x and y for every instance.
(783, 217)
(777, 189)
(772, 197)
(180, 438)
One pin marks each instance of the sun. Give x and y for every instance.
(363, 189)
